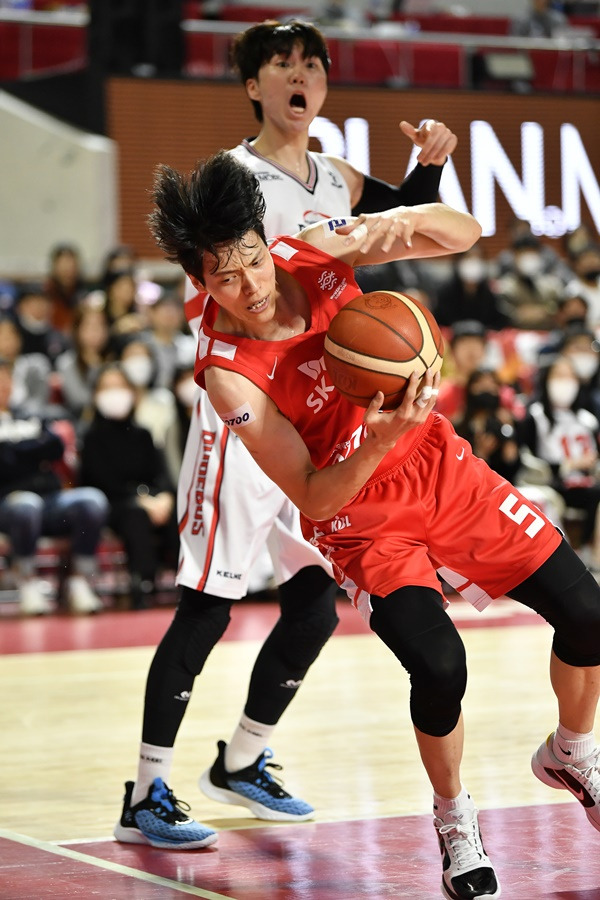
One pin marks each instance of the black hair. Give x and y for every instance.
(258, 44)
(111, 365)
(215, 205)
(468, 328)
(60, 249)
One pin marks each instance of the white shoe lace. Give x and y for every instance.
(463, 844)
(590, 771)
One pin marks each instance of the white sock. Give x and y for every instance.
(248, 741)
(571, 746)
(443, 805)
(154, 762)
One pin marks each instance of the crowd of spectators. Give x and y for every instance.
(98, 391)
(96, 388)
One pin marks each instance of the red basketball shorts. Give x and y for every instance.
(439, 509)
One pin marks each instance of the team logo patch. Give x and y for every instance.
(327, 280)
(331, 224)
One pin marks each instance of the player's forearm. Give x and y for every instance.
(454, 230)
(326, 491)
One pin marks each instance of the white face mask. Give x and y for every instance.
(115, 403)
(138, 369)
(529, 264)
(585, 364)
(562, 391)
(472, 269)
(187, 391)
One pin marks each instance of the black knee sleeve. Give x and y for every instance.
(308, 618)
(414, 625)
(568, 597)
(199, 622)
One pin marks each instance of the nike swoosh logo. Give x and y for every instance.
(460, 455)
(272, 375)
(575, 788)
(566, 752)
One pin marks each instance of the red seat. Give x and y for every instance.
(438, 65)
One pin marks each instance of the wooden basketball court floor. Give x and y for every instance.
(70, 727)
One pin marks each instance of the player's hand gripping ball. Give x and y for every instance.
(376, 342)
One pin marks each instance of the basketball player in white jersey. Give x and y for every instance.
(227, 508)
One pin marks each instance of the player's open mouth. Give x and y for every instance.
(298, 101)
(259, 305)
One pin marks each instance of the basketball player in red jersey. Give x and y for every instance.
(390, 498)
(228, 510)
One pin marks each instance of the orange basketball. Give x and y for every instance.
(376, 342)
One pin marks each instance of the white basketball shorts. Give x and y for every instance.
(227, 509)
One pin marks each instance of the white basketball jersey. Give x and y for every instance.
(227, 507)
(292, 203)
(571, 437)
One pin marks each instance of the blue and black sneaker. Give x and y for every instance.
(254, 788)
(160, 821)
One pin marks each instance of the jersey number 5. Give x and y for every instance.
(519, 513)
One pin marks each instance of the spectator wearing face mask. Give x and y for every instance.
(571, 317)
(77, 367)
(581, 347)
(31, 372)
(187, 394)
(120, 457)
(469, 293)
(488, 425)
(586, 266)
(34, 503)
(552, 262)
(169, 337)
(529, 295)
(34, 321)
(154, 406)
(465, 353)
(558, 430)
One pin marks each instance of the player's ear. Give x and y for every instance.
(196, 282)
(252, 89)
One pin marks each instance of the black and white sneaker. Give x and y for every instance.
(467, 871)
(160, 820)
(581, 778)
(254, 788)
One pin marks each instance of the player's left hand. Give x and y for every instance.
(436, 140)
(383, 227)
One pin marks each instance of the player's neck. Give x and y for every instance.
(287, 150)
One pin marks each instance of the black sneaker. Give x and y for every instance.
(467, 871)
(159, 820)
(254, 788)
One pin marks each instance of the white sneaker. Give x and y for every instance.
(33, 600)
(582, 778)
(466, 869)
(80, 597)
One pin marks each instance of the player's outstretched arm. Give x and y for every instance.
(283, 456)
(430, 229)
(369, 194)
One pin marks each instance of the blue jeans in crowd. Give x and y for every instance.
(77, 513)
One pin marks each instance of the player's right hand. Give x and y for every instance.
(386, 427)
(434, 138)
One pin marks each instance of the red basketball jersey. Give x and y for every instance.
(292, 372)
(430, 505)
